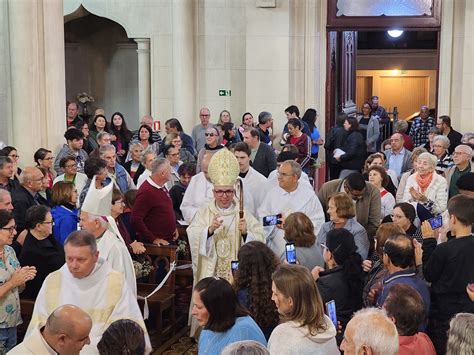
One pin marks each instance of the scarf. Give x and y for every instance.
(424, 182)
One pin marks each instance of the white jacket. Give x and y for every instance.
(437, 193)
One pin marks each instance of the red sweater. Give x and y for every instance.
(152, 214)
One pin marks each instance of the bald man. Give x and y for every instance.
(66, 332)
(398, 158)
(26, 195)
(370, 332)
(199, 191)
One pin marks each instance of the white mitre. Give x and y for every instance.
(98, 202)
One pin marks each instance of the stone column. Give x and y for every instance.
(37, 69)
(183, 61)
(144, 77)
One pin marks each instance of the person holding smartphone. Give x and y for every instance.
(343, 279)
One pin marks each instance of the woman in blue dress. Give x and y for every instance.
(223, 319)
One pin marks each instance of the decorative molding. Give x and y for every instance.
(265, 3)
(384, 8)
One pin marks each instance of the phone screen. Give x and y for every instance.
(271, 220)
(234, 265)
(331, 311)
(436, 222)
(290, 253)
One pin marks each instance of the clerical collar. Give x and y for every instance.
(100, 236)
(224, 210)
(243, 175)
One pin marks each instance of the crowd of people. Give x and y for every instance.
(377, 260)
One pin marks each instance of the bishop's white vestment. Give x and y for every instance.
(303, 199)
(212, 256)
(198, 194)
(113, 249)
(103, 294)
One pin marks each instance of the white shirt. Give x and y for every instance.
(198, 194)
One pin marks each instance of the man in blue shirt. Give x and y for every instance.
(399, 260)
(398, 158)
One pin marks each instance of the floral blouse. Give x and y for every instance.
(10, 315)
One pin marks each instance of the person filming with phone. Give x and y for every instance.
(449, 267)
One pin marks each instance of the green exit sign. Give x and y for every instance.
(225, 93)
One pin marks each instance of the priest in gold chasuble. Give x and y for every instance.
(218, 230)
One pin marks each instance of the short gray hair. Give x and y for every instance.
(158, 165)
(105, 148)
(264, 117)
(443, 139)
(295, 167)
(4, 160)
(146, 153)
(101, 135)
(467, 136)
(461, 334)
(401, 126)
(430, 158)
(378, 339)
(82, 239)
(133, 145)
(3, 193)
(245, 347)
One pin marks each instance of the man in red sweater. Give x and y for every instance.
(152, 214)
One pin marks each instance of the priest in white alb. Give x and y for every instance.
(198, 193)
(88, 282)
(255, 184)
(96, 219)
(219, 229)
(288, 197)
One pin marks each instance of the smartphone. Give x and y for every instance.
(234, 265)
(331, 311)
(436, 222)
(290, 253)
(272, 220)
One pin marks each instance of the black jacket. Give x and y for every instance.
(128, 167)
(265, 160)
(355, 152)
(454, 140)
(332, 285)
(22, 200)
(46, 255)
(449, 267)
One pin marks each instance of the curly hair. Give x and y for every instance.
(257, 262)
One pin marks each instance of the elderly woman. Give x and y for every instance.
(433, 132)
(379, 178)
(403, 179)
(440, 149)
(184, 154)
(341, 211)
(134, 166)
(300, 230)
(148, 156)
(404, 215)
(369, 127)
(426, 188)
(212, 145)
(12, 277)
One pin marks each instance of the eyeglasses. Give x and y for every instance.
(209, 134)
(221, 193)
(9, 229)
(48, 222)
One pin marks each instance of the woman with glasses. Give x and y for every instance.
(44, 159)
(404, 215)
(212, 145)
(341, 211)
(12, 278)
(184, 154)
(70, 174)
(65, 213)
(40, 249)
(343, 278)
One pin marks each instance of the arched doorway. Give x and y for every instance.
(101, 61)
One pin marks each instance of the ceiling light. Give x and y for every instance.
(395, 33)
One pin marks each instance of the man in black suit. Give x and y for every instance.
(444, 124)
(263, 157)
(26, 195)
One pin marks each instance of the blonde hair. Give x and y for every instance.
(169, 138)
(296, 282)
